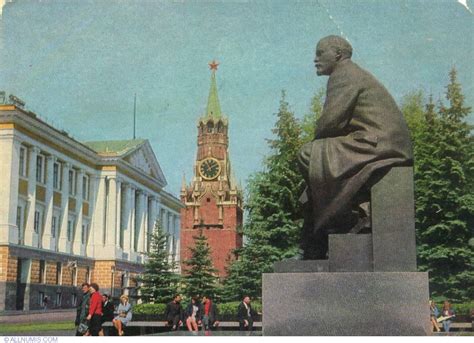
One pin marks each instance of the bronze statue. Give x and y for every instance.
(360, 135)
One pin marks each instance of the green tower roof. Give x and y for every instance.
(213, 107)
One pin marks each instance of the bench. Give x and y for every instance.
(143, 325)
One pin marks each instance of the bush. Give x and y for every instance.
(149, 309)
(462, 309)
(226, 311)
(230, 308)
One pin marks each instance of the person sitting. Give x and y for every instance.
(209, 313)
(246, 315)
(447, 311)
(108, 309)
(193, 315)
(174, 313)
(124, 315)
(434, 313)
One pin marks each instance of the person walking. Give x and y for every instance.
(174, 313)
(45, 303)
(193, 314)
(82, 309)
(124, 315)
(209, 314)
(95, 310)
(246, 315)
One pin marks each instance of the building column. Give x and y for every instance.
(99, 218)
(48, 211)
(126, 218)
(77, 240)
(93, 227)
(62, 241)
(140, 220)
(119, 213)
(151, 221)
(10, 172)
(133, 213)
(111, 222)
(30, 218)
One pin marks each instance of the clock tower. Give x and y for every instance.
(213, 200)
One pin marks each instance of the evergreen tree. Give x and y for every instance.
(444, 183)
(200, 279)
(274, 221)
(309, 120)
(160, 282)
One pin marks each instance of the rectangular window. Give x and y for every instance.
(85, 187)
(74, 276)
(37, 221)
(70, 227)
(42, 270)
(88, 274)
(53, 227)
(18, 217)
(83, 234)
(40, 169)
(57, 176)
(22, 161)
(72, 182)
(59, 270)
(41, 298)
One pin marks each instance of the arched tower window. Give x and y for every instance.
(220, 128)
(210, 127)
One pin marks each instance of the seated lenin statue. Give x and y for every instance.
(359, 136)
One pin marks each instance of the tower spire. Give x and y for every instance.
(213, 106)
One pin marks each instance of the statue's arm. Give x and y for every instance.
(337, 112)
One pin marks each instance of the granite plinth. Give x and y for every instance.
(346, 304)
(296, 266)
(393, 221)
(350, 253)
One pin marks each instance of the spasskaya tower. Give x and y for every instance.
(213, 200)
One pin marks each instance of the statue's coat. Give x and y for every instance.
(360, 131)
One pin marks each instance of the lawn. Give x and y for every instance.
(35, 327)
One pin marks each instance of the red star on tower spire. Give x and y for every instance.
(213, 65)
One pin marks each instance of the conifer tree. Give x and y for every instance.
(309, 120)
(160, 282)
(272, 229)
(444, 183)
(200, 275)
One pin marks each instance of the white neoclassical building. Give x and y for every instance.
(72, 212)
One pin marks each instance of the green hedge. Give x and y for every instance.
(223, 309)
(461, 309)
(149, 309)
(231, 307)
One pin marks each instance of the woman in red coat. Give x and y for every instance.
(95, 310)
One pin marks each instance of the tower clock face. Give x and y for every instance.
(209, 168)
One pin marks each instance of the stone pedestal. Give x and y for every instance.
(346, 304)
(368, 286)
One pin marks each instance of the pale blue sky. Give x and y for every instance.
(78, 63)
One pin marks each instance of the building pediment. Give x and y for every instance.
(143, 158)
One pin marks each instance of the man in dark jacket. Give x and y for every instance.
(246, 315)
(360, 135)
(82, 307)
(209, 314)
(174, 313)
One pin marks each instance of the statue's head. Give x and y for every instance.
(329, 52)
